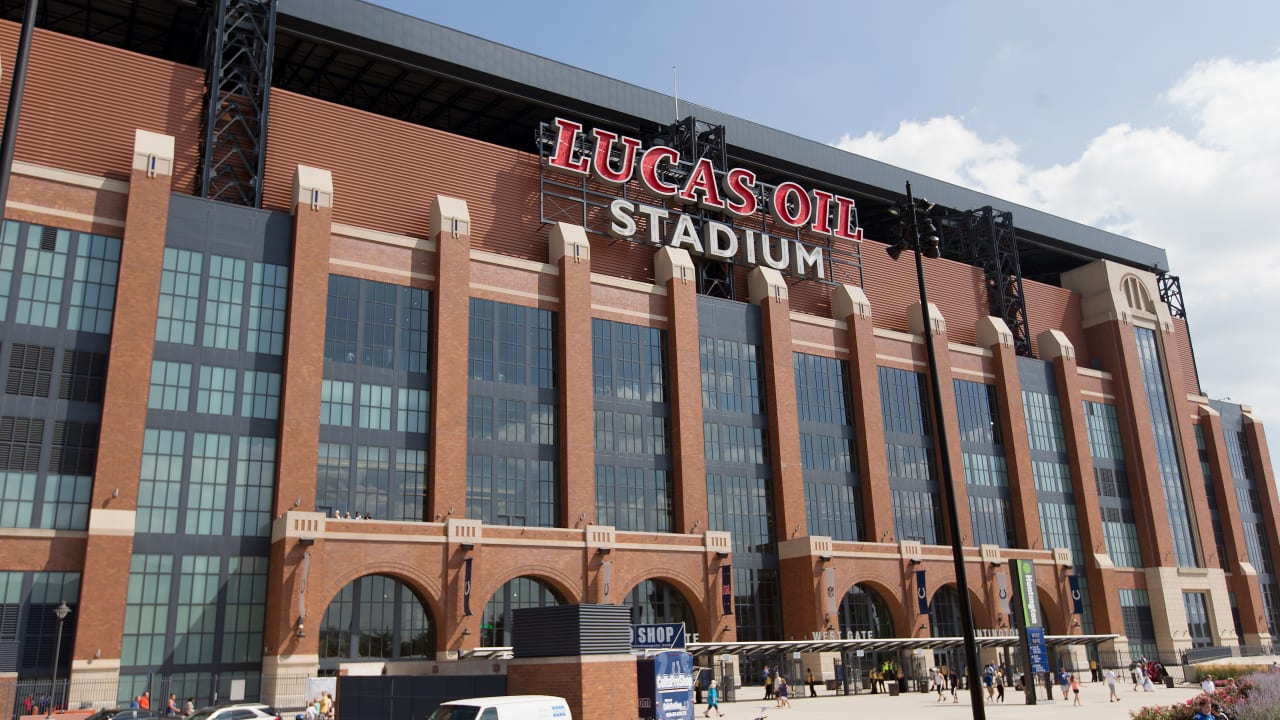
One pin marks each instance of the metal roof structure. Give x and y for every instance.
(358, 54)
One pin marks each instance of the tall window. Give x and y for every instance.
(521, 592)
(1166, 439)
(632, 427)
(375, 400)
(827, 452)
(1055, 498)
(1211, 495)
(985, 472)
(1139, 627)
(1114, 497)
(735, 435)
(512, 465)
(28, 626)
(909, 449)
(1252, 520)
(655, 601)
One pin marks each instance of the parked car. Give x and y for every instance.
(124, 714)
(252, 711)
(505, 707)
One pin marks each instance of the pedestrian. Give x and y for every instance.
(1207, 685)
(1000, 687)
(713, 700)
(954, 680)
(939, 682)
(1110, 676)
(808, 680)
(144, 702)
(1075, 690)
(1136, 671)
(1064, 682)
(326, 706)
(1094, 676)
(136, 703)
(190, 707)
(768, 683)
(171, 708)
(1204, 710)
(782, 691)
(989, 681)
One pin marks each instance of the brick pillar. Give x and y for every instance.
(1057, 349)
(447, 466)
(304, 339)
(596, 686)
(948, 421)
(675, 273)
(796, 573)
(849, 304)
(291, 648)
(96, 657)
(1017, 449)
(570, 251)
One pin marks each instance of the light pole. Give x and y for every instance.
(62, 611)
(911, 239)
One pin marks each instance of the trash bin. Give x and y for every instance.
(1168, 681)
(893, 688)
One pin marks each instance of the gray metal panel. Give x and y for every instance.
(543, 76)
(570, 630)
(1037, 376)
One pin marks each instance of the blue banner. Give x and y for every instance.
(726, 589)
(1039, 654)
(1077, 602)
(466, 588)
(922, 595)
(673, 685)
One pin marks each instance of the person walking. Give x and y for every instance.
(1136, 671)
(713, 700)
(171, 709)
(1075, 690)
(768, 683)
(1110, 676)
(999, 687)
(808, 680)
(1207, 685)
(939, 683)
(781, 691)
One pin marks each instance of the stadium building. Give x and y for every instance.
(332, 336)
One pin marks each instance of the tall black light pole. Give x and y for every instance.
(911, 239)
(62, 611)
(9, 139)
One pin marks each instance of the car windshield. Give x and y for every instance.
(452, 712)
(203, 715)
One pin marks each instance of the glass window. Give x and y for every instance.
(179, 296)
(261, 393)
(832, 491)
(268, 305)
(170, 386)
(217, 392)
(522, 592)
(375, 407)
(337, 402)
(375, 617)
(224, 303)
(255, 482)
(207, 484)
(44, 269)
(160, 483)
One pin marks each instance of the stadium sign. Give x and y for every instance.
(618, 160)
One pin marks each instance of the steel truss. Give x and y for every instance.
(1171, 294)
(583, 201)
(241, 44)
(985, 238)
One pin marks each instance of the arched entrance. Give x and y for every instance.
(521, 592)
(375, 617)
(863, 613)
(944, 621)
(656, 601)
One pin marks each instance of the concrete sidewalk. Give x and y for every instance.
(829, 706)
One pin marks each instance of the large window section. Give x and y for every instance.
(913, 478)
(1252, 521)
(985, 471)
(512, 464)
(1168, 459)
(1211, 494)
(1114, 496)
(374, 401)
(735, 446)
(1054, 496)
(828, 455)
(28, 626)
(632, 427)
(57, 301)
(1139, 627)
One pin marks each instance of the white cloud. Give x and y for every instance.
(1207, 198)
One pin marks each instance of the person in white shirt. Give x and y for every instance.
(1207, 684)
(1110, 677)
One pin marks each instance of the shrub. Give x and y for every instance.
(1263, 698)
(1221, 671)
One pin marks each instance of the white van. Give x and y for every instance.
(505, 707)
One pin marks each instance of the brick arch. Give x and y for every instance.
(1051, 611)
(425, 587)
(683, 585)
(561, 583)
(893, 601)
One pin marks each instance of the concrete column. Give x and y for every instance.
(447, 466)
(96, 657)
(570, 252)
(675, 272)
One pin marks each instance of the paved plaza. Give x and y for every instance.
(830, 706)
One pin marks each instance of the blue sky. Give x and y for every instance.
(1156, 120)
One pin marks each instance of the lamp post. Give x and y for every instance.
(911, 239)
(62, 611)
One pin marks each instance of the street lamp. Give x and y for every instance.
(920, 236)
(62, 611)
